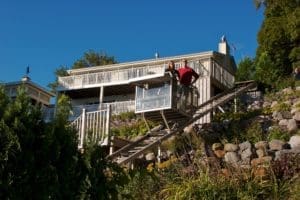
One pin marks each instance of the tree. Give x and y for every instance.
(61, 71)
(279, 35)
(246, 70)
(42, 161)
(92, 58)
(265, 72)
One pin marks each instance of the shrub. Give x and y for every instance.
(280, 107)
(277, 133)
(254, 133)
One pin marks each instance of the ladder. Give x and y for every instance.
(153, 138)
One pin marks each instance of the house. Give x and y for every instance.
(143, 87)
(36, 93)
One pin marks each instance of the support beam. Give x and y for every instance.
(147, 125)
(101, 96)
(165, 120)
(82, 131)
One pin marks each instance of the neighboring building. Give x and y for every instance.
(144, 87)
(37, 94)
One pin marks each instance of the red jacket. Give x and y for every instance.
(186, 74)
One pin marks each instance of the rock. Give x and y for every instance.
(229, 147)
(246, 154)
(231, 158)
(276, 145)
(297, 116)
(245, 151)
(262, 145)
(217, 146)
(273, 104)
(286, 115)
(294, 111)
(261, 153)
(286, 153)
(245, 145)
(266, 104)
(150, 156)
(292, 125)
(260, 161)
(219, 153)
(283, 122)
(277, 115)
(169, 153)
(295, 141)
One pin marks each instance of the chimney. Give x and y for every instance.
(223, 46)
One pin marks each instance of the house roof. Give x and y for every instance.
(138, 63)
(26, 80)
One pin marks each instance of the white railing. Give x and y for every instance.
(153, 98)
(111, 77)
(92, 126)
(115, 108)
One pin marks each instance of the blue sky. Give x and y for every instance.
(45, 34)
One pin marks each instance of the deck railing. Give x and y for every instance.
(92, 126)
(115, 109)
(111, 77)
(156, 98)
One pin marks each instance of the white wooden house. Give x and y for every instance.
(135, 86)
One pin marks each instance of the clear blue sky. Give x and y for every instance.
(45, 34)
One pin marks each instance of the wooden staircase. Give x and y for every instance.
(155, 137)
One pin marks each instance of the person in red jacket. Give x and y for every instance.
(187, 77)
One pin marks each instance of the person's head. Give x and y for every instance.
(171, 65)
(184, 62)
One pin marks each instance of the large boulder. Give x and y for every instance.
(295, 141)
(231, 158)
(229, 147)
(292, 125)
(276, 145)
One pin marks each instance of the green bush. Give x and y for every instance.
(278, 134)
(133, 130)
(254, 133)
(280, 107)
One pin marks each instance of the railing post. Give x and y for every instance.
(159, 153)
(107, 129)
(82, 131)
